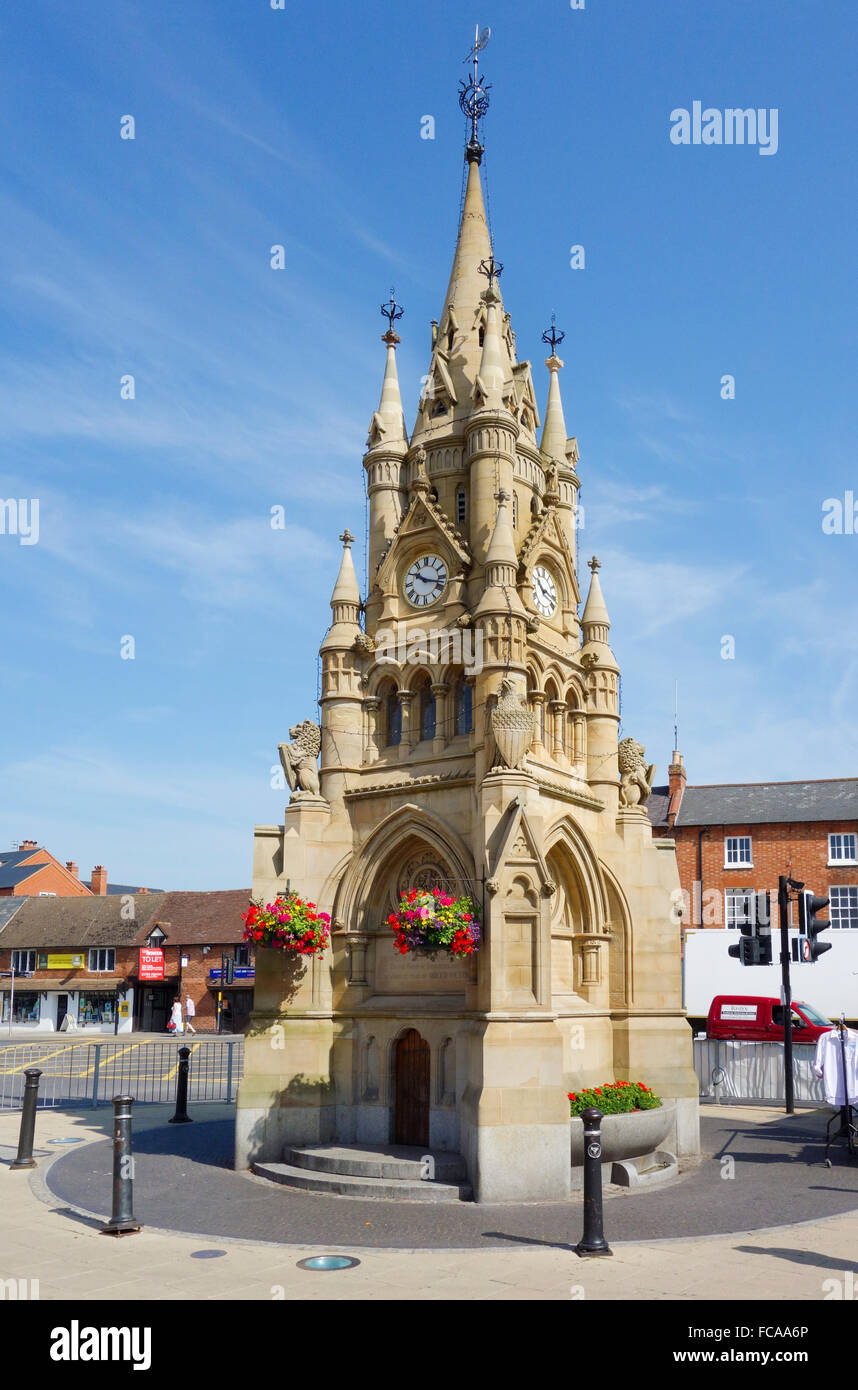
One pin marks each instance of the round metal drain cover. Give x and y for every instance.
(324, 1262)
(65, 1141)
(207, 1254)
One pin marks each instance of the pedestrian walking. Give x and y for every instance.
(190, 1015)
(176, 1017)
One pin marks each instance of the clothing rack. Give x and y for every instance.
(847, 1116)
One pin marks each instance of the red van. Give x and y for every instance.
(748, 1018)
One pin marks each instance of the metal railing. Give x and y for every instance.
(92, 1073)
(728, 1070)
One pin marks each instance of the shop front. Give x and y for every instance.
(104, 1006)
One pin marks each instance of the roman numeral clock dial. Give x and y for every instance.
(425, 581)
(544, 592)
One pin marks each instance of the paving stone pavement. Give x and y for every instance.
(46, 1238)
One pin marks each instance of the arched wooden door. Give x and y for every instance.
(411, 1124)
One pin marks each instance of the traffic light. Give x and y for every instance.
(808, 906)
(763, 928)
(755, 947)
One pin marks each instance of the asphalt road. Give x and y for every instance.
(184, 1182)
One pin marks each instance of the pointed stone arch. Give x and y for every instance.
(409, 831)
(621, 956)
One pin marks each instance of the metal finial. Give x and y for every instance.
(552, 337)
(347, 538)
(594, 565)
(474, 94)
(392, 311)
(491, 269)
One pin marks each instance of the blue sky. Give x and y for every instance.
(255, 387)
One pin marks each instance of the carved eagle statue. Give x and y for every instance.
(512, 726)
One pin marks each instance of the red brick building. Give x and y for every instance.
(31, 870)
(733, 840)
(80, 959)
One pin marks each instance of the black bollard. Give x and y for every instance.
(25, 1158)
(181, 1116)
(122, 1221)
(593, 1240)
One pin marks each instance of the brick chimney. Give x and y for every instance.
(98, 882)
(676, 786)
(72, 867)
(29, 844)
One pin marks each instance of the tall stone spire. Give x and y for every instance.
(345, 600)
(595, 622)
(473, 245)
(553, 443)
(387, 428)
(494, 361)
(502, 559)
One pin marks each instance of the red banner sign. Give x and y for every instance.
(151, 963)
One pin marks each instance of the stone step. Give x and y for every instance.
(347, 1185)
(399, 1162)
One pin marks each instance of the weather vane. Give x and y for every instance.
(491, 269)
(474, 94)
(392, 311)
(552, 337)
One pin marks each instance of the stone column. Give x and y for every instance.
(558, 714)
(371, 748)
(538, 700)
(356, 944)
(406, 699)
(442, 713)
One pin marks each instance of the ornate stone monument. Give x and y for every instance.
(500, 777)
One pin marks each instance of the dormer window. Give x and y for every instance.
(439, 408)
(482, 336)
(450, 339)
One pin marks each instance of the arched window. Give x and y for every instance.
(464, 706)
(426, 704)
(450, 338)
(515, 509)
(461, 504)
(482, 335)
(392, 718)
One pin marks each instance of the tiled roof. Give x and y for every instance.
(656, 806)
(76, 923)
(198, 918)
(12, 875)
(8, 908)
(760, 803)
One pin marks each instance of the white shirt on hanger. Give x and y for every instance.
(828, 1063)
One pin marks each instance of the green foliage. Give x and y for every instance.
(614, 1098)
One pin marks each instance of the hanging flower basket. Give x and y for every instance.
(287, 924)
(430, 920)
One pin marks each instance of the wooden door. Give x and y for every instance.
(412, 1090)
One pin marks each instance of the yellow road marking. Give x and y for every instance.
(167, 1076)
(36, 1060)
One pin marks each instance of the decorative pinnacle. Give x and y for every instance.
(491, 269)
(474, 94)
(552, 337)
(347, 538)
(594, 564)
(392, 312)
(502, 495)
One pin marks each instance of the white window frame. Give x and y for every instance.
(96, 951)
(28, 956)
(841, 836)
(738, 863)
(834, 909)
(730, 896)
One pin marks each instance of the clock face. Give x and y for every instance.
(425, 581)
(544, 592)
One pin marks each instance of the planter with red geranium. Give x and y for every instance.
(430, 921)
(288, 924)
(636, 1121)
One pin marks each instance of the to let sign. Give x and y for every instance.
(151, 963)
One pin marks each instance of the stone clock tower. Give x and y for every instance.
(469, 740)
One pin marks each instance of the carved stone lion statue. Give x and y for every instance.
(299, 758)
(636, 777)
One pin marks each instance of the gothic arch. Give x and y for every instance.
(568, 846)
(621, 957)
(410, 829)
